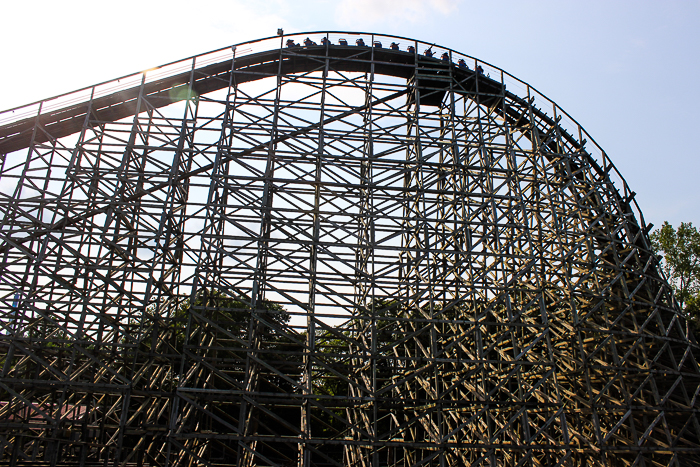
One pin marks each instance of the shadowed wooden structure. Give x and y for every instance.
(310, 253)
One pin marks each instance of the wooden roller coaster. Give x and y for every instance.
(329, 255)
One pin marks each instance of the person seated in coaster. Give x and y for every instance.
(360, 43)
(342, 42)
(445, 57)
(308, 42)
(290, 43)
(411, 49)
(462, 64)
(378, 44)
(394, 46)
(428, 53)
(479, 70)
(324, 41)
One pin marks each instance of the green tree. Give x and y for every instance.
(680, 250)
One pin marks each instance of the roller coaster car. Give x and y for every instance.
(342, 42)
(433, 79)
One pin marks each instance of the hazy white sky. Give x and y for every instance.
(627, 71)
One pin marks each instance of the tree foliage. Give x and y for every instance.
(680, 250)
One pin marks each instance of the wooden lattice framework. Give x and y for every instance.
(329, 255)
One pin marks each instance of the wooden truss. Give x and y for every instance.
(327, 255)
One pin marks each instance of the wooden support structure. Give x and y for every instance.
(329, 255)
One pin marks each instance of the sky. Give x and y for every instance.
(627, 71)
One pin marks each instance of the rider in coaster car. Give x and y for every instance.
(308, 42)
(342, 42)
(360, 42)
(445, 57)
(394, 46)
(428, 53)
(462, 64)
